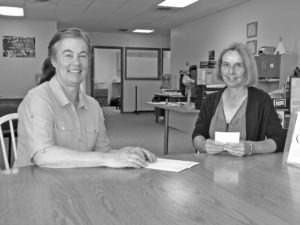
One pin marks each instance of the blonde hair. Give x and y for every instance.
(249, 62)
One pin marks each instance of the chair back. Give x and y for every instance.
(3, 120)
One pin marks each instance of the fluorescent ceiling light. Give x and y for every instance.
(142, 31)
(177, 3)
(11, 11)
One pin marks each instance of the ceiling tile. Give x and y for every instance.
(110, 15)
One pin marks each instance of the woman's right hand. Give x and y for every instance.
(134, 157)
(213, 147)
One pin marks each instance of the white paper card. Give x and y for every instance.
(227, 137)
(171, 165)
(294, 153)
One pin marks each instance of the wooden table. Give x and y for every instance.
(222, 189)
(178, 117)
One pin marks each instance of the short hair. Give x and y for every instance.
(249, 62)
(48, 70)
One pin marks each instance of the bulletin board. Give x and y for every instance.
(15, 46)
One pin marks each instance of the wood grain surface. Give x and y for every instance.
(222, 189)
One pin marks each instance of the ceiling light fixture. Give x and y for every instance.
(11, 11)
(142, 31)
(177, 3)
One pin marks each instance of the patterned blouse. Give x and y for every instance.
(237, 123)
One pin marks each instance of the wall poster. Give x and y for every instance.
(14, 46)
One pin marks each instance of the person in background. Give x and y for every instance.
(62, 127)
(239, 107)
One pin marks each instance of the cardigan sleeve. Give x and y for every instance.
(206, 113)
(273, 127)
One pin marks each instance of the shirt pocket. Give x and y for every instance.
(91, 135)
(63, 134)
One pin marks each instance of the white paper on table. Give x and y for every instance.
(227, 137)
(294, 153)
(171, 165)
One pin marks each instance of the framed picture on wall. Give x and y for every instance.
(253, 46)
(252, 29)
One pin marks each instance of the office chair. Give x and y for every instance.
(8, 119)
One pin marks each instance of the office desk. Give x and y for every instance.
(222, 189)
(172, 97)
(163, 97)
(177, 117)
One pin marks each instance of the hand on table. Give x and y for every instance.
(213, 147)
(237, 149)
(135, 157)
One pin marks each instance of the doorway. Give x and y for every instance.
(106, 76)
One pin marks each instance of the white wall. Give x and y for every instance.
(146, 88)
(191, 42)
(105, 68)
(17, 75)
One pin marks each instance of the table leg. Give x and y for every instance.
(156, 112)
(166, 132)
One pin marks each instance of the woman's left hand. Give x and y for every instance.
(238, 149)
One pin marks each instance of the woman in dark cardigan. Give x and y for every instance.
(239, 107)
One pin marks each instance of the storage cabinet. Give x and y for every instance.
(268, 66)
(101, 95)
(279, 67)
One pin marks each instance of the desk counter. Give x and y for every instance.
(222, 189)
(176, 116)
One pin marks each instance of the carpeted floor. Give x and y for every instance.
(129, 129)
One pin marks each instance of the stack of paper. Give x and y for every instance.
(171, 165)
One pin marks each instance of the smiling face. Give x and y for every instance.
(232, 69)
(71, 61)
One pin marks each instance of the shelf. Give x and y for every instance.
(268, 80)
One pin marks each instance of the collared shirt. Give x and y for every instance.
(47, 118)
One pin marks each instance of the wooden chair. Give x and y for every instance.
(8, 119)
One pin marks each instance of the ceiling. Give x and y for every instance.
(111, 15)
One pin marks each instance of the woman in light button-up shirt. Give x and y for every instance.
(59, 125)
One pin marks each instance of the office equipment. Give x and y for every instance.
(266, 50)
(8, 119)
(203, 90)
(222, 189)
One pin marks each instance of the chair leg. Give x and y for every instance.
(9, 151)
